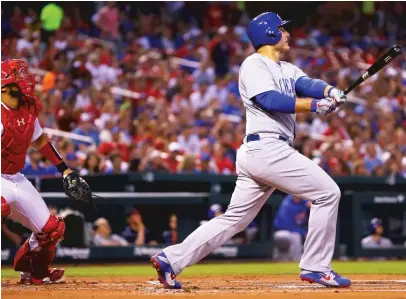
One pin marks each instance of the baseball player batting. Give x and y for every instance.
(273, 91)
(20, 201)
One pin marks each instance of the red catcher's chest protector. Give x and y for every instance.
(18, 129)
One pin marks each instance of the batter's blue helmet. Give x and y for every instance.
(374, 225)
(264, 29)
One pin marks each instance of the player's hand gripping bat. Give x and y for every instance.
(389, 56)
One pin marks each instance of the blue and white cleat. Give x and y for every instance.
(165, 273)
(328, 279)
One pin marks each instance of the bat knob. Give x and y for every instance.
(397, 48)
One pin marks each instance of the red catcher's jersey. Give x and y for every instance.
(18, 129)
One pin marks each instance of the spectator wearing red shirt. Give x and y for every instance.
(337, 167)
(223, 163)
(97, 99)
(335, 129)
(214, 16)
(17, 20)
(107, 19)
(174, 157)
(106, 147)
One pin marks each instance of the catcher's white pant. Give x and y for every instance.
(27, 205)
(263, 166)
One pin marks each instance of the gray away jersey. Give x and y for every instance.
(259, 74)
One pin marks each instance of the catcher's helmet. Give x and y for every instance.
(16, 71)
(264, 29)
(374, 225)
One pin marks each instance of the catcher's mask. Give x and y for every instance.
(16, 72)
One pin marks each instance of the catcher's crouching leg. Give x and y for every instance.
(37, 253)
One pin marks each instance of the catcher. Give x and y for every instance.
(20, 201)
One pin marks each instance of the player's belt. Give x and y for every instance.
(256, 137)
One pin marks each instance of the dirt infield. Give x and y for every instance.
(270, 286)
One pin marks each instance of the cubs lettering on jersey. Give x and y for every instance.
(269, 75)
(287, 86)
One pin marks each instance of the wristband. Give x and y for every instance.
(62, 167)
(313, 105)
(49, 152)
(329, 91)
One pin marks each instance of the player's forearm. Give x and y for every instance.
(303, 105)
(313, 88)
(274, 101)
(46, 148)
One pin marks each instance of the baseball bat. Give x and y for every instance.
(383, 61)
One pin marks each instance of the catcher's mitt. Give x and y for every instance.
(77, 189)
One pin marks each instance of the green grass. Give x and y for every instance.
(265, 268)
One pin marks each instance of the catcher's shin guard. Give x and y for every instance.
(52, 232)
(22, 259)
(41, 262)
(38, 262)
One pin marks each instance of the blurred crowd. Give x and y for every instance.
(157, 89)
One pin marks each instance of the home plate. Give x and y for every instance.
(298, 286)
(154, 282)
